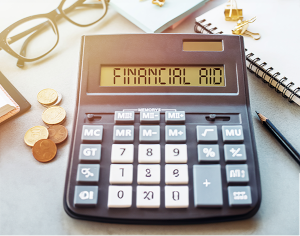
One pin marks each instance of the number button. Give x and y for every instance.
(122, 153)
(119, 196)
(176, 153)
(149, 153)
(121, 174)
(176, 196)
(147, 196)
(148, 174)
(176, 174)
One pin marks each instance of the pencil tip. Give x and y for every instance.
(256, 112)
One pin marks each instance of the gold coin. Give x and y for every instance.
(44, 150)
(35, 134)
(58, 133)
(47, 96)
(54, 115)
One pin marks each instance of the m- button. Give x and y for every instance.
(175, 117)
(124, 117)
(232, 134)
(92, 133)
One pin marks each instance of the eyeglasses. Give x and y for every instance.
(34, 37)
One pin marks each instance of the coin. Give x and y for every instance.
(59, 98)
(58, 133)
(44, 150)
(34, 134)
(54, 115)
(47, 96)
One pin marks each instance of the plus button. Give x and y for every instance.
(206, 183)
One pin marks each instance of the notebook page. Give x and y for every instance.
(4, 99)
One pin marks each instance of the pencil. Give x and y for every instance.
(282, 140)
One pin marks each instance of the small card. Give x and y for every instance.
(8, 106)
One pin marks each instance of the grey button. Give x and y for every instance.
(237, 173)
(86, 195)
(92, 133)
(123, 134)
(208, 153)
(207, 134)
(149, 134)
(175, 133)
(235, 153)
(124, 117)
(90, 152)
(207, 186)
(88, 173)
(175, 117)
(239, 196)
(149, 117)
(232, 133)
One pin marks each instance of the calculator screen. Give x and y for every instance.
(162, 76)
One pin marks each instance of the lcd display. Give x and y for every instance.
(162, 76)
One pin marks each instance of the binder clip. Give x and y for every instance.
(242, 26)
(232, 13)
(158, 2)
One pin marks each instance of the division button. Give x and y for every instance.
(175, 117)
(86, 196)
(207, 134)
(123, 134)
(239, 196)
(237, 173)
(235, 153)
(176, 153)
(208, 153)
(88, 173)
(92, 133)
(176, 196)
(124, 117)
(176, 174)
(175, 133)
(148, 196)
(148, 174)
(122, 153)
(90, 153)
(149, 117)
(149, 134)
(207, 186)
(149, 153)
(121, 174)
(119, 196)
(233, 133)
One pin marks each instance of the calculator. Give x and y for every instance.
(162, 132)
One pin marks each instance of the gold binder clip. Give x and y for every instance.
(158, 2)
(242, 26)
(232, 13)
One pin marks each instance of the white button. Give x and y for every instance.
(122, 153)
(176, 153)
(176, 174)
(119, 196)
(149, 153)
(147, 196)
(148, 174)
(176, 196)
(121, 174)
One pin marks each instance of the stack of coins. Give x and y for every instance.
(44, 140)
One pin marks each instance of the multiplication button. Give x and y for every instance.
(175, 117)
(233, 133)
(92, 133)
(88, 173)
(86, 196)
(239, 196)
(175, 134)
(124, 117)
(123, 134)
(90, 152)
(207, 134)
(149, 117)
(149, 134)
(235, 153)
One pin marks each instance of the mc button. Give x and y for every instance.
(92, 133)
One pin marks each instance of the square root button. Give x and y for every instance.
(149, 134)
(123, 134)
(92, 133)
(207, 134)
(175, 134)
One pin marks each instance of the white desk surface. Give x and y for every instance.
(31, 193)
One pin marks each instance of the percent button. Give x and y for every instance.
(208, 153)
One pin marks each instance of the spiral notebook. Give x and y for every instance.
(275, 57)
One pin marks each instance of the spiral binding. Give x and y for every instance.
(201, 28)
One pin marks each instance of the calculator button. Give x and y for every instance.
(149, 134)
(208, 153)
(122, 153)
(148, 174)
(121, 174)
(239, 196)
(232, 133)
(207, 134)
(207, 186)
(175, 133)
(235, 153)
(149, 153)
(88, 173)
(237, 173)
(176, 196)
(176, 174)
(149, 117)
(176, 153)
(90, 152)
(175, 117)
(119, 196)
(86, 196)
(147, 196)
(92, 133)
(123, 134)
(124, 117)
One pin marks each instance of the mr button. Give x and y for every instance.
(123, 134)
(92, 133)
